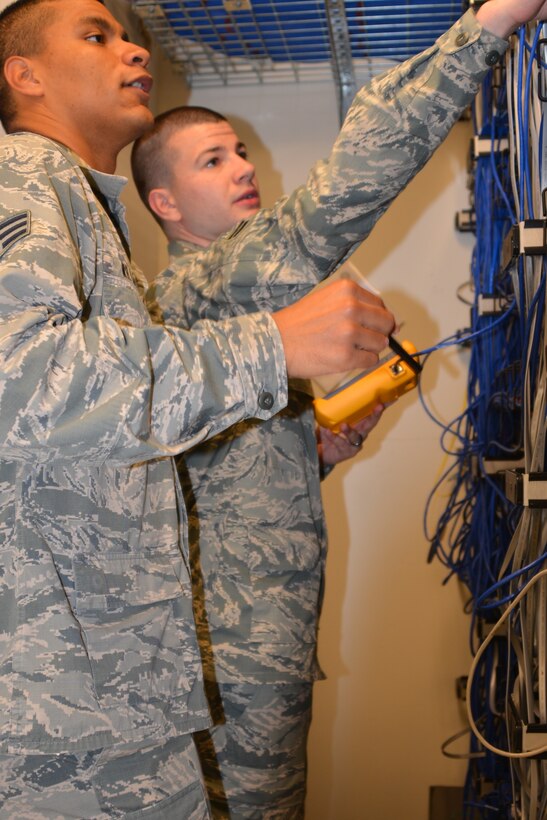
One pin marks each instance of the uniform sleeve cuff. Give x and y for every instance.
(473, 42)
(262, 365)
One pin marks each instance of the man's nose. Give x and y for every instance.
(246, 170)
(137, 55)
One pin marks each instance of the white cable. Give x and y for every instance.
(474, 728)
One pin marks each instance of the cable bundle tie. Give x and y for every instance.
(485, 626)
(534, 736)
(492, 466)
(466, 221)
(484, 146)
(528, 237)
(492, 305)
(526, 489)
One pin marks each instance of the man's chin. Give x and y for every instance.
(147, 122)
(248, 211)
(141, 123)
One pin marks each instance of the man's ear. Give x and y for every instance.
(21, 77)
(163, 205)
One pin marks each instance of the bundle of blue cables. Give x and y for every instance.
(472, 534)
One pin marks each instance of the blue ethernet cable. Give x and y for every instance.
(472, 535)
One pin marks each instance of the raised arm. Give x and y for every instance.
(391, 130)
(502, 17)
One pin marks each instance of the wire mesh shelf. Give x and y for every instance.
(231, 42)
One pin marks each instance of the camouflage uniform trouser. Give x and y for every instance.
(254, 758)
(153, 782)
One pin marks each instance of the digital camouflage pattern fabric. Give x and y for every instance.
(161, 781)
(256, 519)
(254, 761)
(257, 533)
(97, 640)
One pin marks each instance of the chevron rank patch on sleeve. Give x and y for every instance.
(12, 229)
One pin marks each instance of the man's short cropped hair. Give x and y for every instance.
(22, 26)
(148, 158)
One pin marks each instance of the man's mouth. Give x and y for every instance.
(248, 196)
(144, 83)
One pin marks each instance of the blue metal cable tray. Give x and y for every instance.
(298, 31)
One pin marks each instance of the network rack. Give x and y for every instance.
(493, 533)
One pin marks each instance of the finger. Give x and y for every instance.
(349, 288)
(364, 426)
(374, 316)
(354, 438)
(351, 435)
(366, 338)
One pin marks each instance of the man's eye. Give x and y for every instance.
(95, 38)
(244, 155)
(212, 162)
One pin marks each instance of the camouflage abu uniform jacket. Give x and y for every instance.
(97, 640)
(255, 498)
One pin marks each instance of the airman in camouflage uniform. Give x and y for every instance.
(256, 523)
(100, 674)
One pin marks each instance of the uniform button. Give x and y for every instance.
(462, 38)
(266, 401)
(492, 57)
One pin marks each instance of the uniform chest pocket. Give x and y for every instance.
(132, 610)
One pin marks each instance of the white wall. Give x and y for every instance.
(393, 639)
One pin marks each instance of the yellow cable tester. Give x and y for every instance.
(389, 380)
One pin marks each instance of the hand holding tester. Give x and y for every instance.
(389, 380)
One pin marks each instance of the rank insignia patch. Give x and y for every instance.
(12, 229)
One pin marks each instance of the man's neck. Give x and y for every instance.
(101, 158)
(175, 232)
